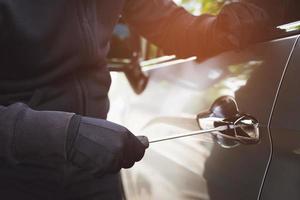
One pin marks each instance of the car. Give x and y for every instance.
(241, 112)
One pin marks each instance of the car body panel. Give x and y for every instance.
(197, 167)
(283, 178)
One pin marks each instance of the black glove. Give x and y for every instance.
(100, 146)
(242, 23)
(236, 26)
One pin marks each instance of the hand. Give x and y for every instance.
(240, 24)
(103, 147)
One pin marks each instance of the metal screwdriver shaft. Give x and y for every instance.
(189, 134)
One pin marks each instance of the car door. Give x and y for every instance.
(283, 178)
(200, 167)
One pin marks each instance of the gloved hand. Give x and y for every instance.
(241, 23)
(100, 146)
(236, 26)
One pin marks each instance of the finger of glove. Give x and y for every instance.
(255, 20)
(258, 14)
(116, 165)
(101, 145)
(245, 13)
(96, 158)
(262, 24)
(244, 22)
(134, 151)
(229, 23)
(228, 32)
(139, 148)
(144, 140)
(128, 164)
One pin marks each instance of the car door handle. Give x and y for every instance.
(241, 128)
(225, 123)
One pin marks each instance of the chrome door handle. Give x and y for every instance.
(223, 121)
(241, 128)
(218, 126)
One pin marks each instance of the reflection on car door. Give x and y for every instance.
(283, 178)
(197, 167)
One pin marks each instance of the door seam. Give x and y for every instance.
(271, 115)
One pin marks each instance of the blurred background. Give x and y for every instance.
(197, 7)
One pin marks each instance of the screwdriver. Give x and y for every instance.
(145, 141)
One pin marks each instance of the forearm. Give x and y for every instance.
(29, 136)
(178, 32)
(52, 138)
(170, 27)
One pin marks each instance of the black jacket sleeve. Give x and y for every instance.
(29, 136)
(52, 138)
(165, 24)
(178, 32)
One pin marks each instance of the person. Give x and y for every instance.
(55, 141)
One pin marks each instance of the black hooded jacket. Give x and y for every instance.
(52, 57)
(53, 66)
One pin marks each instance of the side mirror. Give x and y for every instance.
(124, 57)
